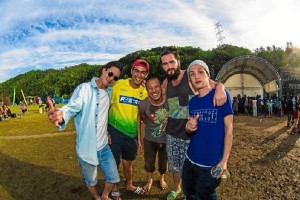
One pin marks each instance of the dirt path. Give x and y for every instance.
(47, 135)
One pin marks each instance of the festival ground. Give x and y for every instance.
(264, 163)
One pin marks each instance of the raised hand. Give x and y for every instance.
(55, 116)
(192, 123)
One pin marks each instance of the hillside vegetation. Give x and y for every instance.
(63, 81)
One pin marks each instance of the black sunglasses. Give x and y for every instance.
(111, 74)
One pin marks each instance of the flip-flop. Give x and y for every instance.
(172, 195)
(138, 191)
(115, 195)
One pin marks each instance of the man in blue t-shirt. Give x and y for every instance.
(210, 128)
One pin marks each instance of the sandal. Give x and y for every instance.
(173, 195)
(115, 195)
(138, 190)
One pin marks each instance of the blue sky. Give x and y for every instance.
(41, 34)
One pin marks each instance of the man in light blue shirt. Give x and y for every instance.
(89, 106)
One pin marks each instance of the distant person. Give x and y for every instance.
(246, 105)
(89, 106)
(276, 106)
(42, 108)
(259, 105)
(53, 103)
(210, 128)
(153, 111)
(36, 99)
(254, 106)
(270, 107)
(250, 105)
(236, 105)
(6, 112)
(23, 109)
(296, 115)
(1, 113)
(289, 111)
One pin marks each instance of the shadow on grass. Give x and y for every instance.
(26, 181)
(23, 180)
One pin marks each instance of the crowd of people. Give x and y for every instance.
(188, 125)
(268, 107)
(6, 113)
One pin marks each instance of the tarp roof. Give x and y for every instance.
(258, 67)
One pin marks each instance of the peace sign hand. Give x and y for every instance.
(192, 123)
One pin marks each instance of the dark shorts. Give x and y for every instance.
(151, 149)
(122, 146)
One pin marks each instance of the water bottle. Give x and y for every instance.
(215, 172)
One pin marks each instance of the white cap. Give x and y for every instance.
(198, 62)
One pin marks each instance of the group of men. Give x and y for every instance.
(188, 123)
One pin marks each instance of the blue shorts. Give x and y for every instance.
(107, 164)
(122, 146)
(176, 150)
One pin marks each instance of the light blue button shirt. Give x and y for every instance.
(84, 107)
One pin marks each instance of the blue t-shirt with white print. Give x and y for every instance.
(207, 143)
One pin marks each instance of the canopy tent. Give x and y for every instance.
(259, 68)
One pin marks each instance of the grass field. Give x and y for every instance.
(37, 162)
(38, 165)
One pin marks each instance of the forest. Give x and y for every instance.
(61, 82)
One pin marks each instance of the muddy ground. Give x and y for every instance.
(264, 162)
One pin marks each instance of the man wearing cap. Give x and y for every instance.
(178, 93)
(126, 95)
(210, 128)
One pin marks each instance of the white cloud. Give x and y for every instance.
(43, 34)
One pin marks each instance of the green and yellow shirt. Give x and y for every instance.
(124, 107)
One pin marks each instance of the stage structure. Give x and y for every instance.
(251, 76)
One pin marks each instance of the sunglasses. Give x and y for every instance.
(111, 74)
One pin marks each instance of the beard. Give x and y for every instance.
(175, 75)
